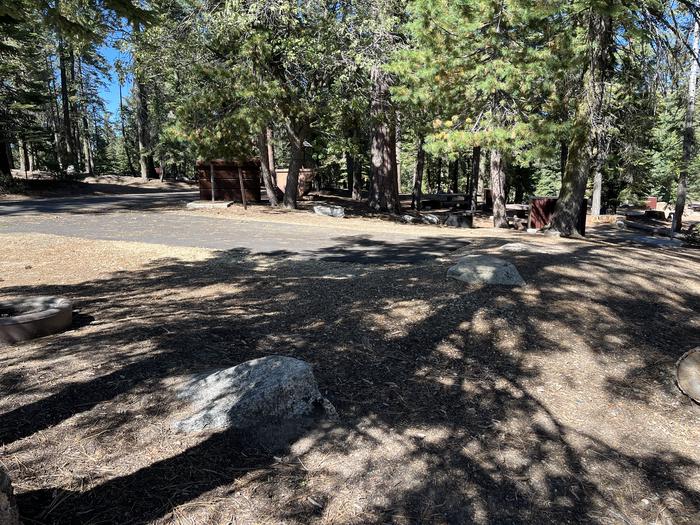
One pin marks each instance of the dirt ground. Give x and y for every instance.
(550, 403)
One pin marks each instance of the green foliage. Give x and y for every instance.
(505, 75)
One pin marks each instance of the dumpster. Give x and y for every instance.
(542, 208)
(227, 187)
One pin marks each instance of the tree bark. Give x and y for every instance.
(397, 153)
(70, 147)
(597, 193)
(384, 195)
(270, 153)
(357, 179)
(23, 156)
(563, 156)
(75, 111)
(296, 135)
(87, 150)
(498, 181)
(31, 157)
(587, 146)
(268, 180)
(453, 170)
(124, 137)
(474, 184)
(146, 163)
(54, 112)
(688, 134)
(5, 165)
(438, 175)
(349, 169)
(418, 175)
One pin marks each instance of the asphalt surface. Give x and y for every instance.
(98, 217)
(97, 203)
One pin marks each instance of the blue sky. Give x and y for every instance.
(110, 92)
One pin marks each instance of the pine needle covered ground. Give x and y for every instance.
(550, 403)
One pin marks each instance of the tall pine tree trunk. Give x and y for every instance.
(418, 175)
(688, 134)
(349, 169)
(31, 157)
(5, 165)
(266, 168)
(474, 179)
(125, 139)
(75, 113)
(143, 129)
(597, 193)
(563, 156)
(146, 164)
(67, 124)
(53, 113)
(270, 153)
(357, 178)
(296, 134)
(87, 150)
(23, 156)
(384, 194)
(453, 170)
(498, 182)
(586, 149)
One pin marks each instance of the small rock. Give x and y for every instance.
(429, 218)
(270, 391)
(517, 247)
(9, 515)
(329, 210)
(485, 269)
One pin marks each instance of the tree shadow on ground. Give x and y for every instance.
(457, 403)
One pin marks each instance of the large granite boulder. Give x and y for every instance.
(267, 391)
(9, 515)
(688, 374)
(485, 269)
(329, 210)
(462, 219)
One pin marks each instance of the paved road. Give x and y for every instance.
(97, 203)
(95, 218)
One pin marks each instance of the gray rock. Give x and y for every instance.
(429, 218)
(9, 515)
(688, 374)
(329, 211)
(485, 269)
(460, 220)
(522, 247)
(518, 247)
(409, 219)
(267, 391)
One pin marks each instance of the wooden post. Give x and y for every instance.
(240, 181)
(211, 177)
